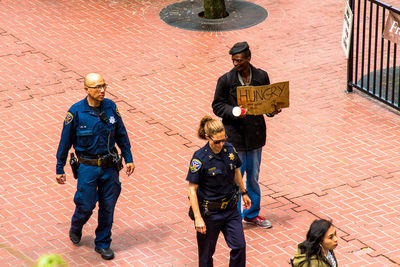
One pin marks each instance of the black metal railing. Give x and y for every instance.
(372, 60)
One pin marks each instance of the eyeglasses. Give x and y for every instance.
(219, 141)
(98, 87)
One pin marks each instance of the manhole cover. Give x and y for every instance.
(185, 15)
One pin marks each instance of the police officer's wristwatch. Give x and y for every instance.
(243, 193)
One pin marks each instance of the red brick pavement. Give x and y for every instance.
(330, 155)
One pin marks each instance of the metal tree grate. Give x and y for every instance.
(185, 15)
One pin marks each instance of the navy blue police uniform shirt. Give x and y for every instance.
(214, 173)
(84, 130)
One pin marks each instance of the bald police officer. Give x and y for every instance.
(93, 126)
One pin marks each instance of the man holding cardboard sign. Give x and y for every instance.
(263, 99)
(246, 132)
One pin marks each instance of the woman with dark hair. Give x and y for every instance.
(317, 249)
(215, 182)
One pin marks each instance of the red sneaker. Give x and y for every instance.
(258, 221)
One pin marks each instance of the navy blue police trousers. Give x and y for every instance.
(96, 184)
(229, 222)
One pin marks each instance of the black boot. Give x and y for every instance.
(75, 236)
(106, 253)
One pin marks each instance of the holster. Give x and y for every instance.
(73, 161)
(106, 161)
(110, 160)
(117, 160)
(203, 211)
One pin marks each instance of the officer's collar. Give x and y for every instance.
(86, 106)
(211, 153)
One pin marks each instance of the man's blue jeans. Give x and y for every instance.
(251, 161)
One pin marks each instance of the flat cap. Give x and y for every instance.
(239, 48)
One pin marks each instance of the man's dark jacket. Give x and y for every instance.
(246, 133)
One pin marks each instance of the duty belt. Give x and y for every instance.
(220, 205)
(90, 156)
(91, 162)
(104, 161)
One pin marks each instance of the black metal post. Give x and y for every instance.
(350, 59)
(376, 47)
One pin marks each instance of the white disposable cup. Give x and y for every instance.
(238, 111)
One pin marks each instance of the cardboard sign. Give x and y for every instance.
(263, 99)
(392, 28)
(347, 27)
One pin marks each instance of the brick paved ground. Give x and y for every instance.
(330, 155)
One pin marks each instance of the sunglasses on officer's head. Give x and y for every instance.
(219, 141)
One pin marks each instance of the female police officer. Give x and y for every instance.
(213, 177)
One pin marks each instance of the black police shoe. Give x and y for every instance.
(106, 253)
(75, 236)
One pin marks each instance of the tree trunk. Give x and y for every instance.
(214, 9)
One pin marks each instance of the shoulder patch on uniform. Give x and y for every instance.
(117, 111)
(195, 165)
(69, 118)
